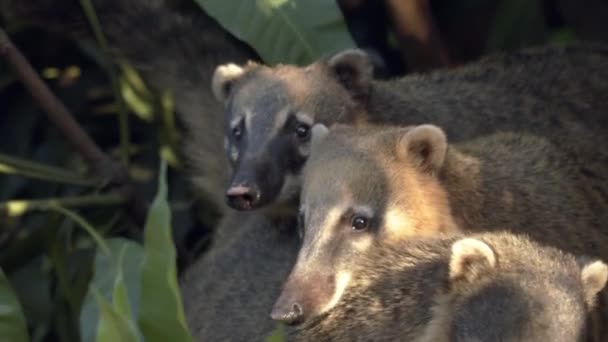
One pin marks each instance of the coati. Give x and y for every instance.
(554, 92)
(229, 293)
(486, 287)
(371, 186)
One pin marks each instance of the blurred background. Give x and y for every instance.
(45, 254)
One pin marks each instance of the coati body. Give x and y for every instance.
(487, 287)
(553, 92)
(229, 293)
(382, 185)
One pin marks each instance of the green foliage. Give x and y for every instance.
(12, 321)
(113, 326)
(112, 273)
(146, 301)
(161, 316)
(278, 335)
(284, 31)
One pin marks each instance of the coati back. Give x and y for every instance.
(228, 294)
(487, 287)
(376, 186)
(553, 92)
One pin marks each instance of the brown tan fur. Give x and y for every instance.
(405, 184)
(487, 287)
(556, 93)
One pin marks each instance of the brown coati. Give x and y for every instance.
(376, 186)
(174, 49)
(487, 287)
(553, 92)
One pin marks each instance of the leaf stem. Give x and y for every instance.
(20, 207)
(123, 118)
(27, 168)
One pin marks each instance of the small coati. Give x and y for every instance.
(376, 186)
(553, 92)
(485, 287)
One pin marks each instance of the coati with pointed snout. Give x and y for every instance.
(554, 92)
(376, 186)
(485, 288)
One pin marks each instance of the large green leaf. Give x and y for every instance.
(116, 278)
(12, 322)
(161, 314)
(284, 31)
(113, 327)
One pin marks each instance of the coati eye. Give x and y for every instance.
(303, 131)
(237, 131)
(359, 223)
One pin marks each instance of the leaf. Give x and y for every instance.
(161, 315)
(278, 334)
(12, 321)
(284, 31)
(113, 327)
(114, 279)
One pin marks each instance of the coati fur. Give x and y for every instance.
(554, 92)
(383, 185)
(229, 293)
(483, 287)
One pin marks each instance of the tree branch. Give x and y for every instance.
(102, 165)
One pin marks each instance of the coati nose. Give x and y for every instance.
(290, 315)
(243, 197)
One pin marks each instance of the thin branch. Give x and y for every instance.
(123, 117)
(58, 113)
(108, 170)
(20, 207)
(26, 168)
(420, 40)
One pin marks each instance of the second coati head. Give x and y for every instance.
(268, 137)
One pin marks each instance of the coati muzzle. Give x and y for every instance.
(255, 183)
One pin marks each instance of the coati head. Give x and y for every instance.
(269, 115)
(484, 287)
(362, 186)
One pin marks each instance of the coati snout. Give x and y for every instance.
(269, 115)
(348, 206)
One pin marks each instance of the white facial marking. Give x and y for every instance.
(226, 144)
(248, 117)
(305, 118)
(234, 153)
(342, 281)
(235, 122)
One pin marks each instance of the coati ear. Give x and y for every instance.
(354, 70)
(470, 258)
(594, 275)
(425, 146)
(319, 132)
(223, 79)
